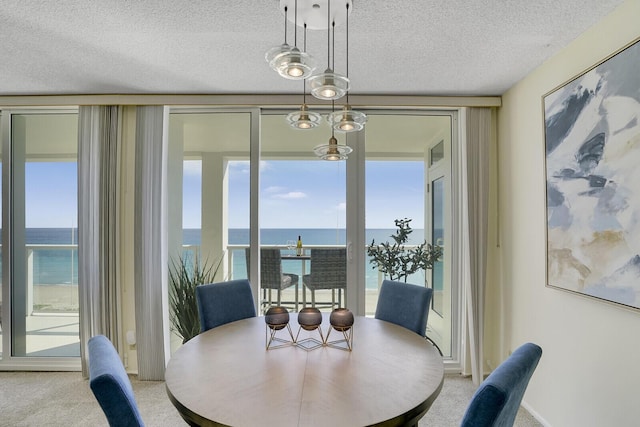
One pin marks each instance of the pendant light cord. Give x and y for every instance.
(333, 29)
(295, 25)
(285, 25)
(347, 49)
(328, 33)
(304, 81)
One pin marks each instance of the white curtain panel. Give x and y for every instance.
(474, 158)
(151, 248)
(98, 172)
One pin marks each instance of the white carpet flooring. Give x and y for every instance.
(64, 399)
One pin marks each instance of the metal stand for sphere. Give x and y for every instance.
(270, 337)
(343, 344)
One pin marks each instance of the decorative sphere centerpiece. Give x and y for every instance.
(341, 319)
(276, 317)
(309, 318)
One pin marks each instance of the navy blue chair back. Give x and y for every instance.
(496, 402)
(224, 302)
(110, 384)
(404, 304)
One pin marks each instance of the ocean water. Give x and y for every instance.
(60, 265)
(53, 265)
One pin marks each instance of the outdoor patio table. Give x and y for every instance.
(302, 259)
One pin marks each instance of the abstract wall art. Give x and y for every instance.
(592, 142)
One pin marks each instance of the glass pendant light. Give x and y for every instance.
(295, 64)
(329, 85)
(347, 120)
(304, 119)
(292, 63)
(276, 52)
(332, 151)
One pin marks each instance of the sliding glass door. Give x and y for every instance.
(407, 169)
(40, 228)
(209, 193)
(237, 191)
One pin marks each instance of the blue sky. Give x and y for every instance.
(311, 194)
(295, 194)
(51, 194)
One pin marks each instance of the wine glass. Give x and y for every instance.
(291, 244)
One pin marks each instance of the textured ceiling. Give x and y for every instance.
(409, 47)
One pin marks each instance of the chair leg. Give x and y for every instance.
(313, 298)
(333, 298)
(279, 296)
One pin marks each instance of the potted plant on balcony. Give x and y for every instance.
(396, 261)
(184, 275)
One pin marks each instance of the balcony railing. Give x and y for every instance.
(52, 272)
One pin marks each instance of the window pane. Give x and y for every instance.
(437, 218)
(44, 239)
(395, 191)
(300, 196)
(437, 153)
(208, 175)
(1, 311)
(402, 153)
(397, 148)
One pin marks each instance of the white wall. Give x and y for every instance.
(589, 373)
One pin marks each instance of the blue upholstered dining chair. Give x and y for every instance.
(224, 302)
(404, 304)
(407, 305)
(110, 384)
(495, 403)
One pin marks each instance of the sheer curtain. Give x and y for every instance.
(98, 172)
(474, 154)
(151, 248)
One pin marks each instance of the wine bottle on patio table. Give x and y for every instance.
(299, 247)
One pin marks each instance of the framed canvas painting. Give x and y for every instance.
(592, 153)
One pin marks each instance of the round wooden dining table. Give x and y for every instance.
(226, 376)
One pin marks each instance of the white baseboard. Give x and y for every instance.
(535, 415)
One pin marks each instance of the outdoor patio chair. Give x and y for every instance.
(328, 271)
(110, 384)
(271, 275)
(496, 401)
(224, 302)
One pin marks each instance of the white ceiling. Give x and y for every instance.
(412, 47)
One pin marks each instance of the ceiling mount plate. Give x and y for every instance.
(314, 12)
